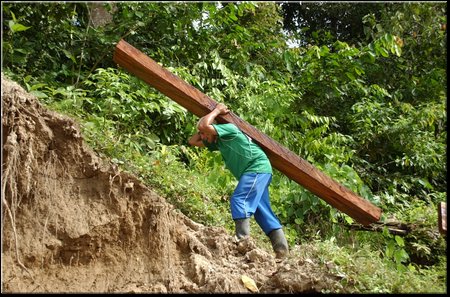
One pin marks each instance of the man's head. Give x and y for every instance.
(206, 136)
(210, 138)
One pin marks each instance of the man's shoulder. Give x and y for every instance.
(227, 126)
(226, 130)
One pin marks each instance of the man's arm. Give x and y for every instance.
(205, 123)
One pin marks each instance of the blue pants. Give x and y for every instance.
(251, 197)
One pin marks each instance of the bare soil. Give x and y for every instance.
(73, 222)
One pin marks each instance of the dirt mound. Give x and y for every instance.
(72, 222)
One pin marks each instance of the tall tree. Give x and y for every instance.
(326, 22)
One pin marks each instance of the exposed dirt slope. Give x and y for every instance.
(71, 222)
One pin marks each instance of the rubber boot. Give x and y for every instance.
(279, 243)
(242, 228)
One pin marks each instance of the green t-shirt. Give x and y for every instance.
(240, 153)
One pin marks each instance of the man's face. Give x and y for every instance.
(210, 138)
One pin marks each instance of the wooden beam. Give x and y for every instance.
(281, 158)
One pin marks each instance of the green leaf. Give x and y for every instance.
(390, 249)
(298, 221)
(233, 16)
(383, 52)
(16, 27)
(350, 75)
(401, 256)
(425, 183)
(369, 57)
(399, 240)
(348, 219)
(69, 55)
(39, 94)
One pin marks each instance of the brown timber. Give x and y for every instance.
(291, 165)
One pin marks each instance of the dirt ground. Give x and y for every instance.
(72, 222)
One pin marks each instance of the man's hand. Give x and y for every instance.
(205, 123)
(222, 108)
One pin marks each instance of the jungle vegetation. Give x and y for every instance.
(359, 90)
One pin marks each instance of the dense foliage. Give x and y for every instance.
(363, 100)
(325, 21)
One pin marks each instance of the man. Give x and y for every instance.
(251, 167)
